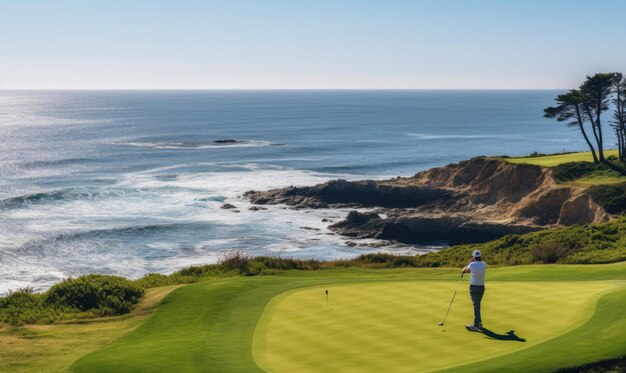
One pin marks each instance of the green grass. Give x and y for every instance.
(55, 347)
(577, 169)
(378, 327)
(557, 159)
(210, 326)
(602, 337)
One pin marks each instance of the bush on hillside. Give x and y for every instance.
(550, 252)
(104, 295)
(23, 306)
(612, 197)
(571, 171)
(593, 243)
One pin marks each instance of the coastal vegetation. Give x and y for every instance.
(84, 297)
(96, 296)
(590, 244)
(612, 197)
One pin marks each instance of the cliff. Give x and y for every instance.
(472, 201)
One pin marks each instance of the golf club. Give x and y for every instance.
(450, 306)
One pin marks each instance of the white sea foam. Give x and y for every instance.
(426, 136)
(70, 236)
(192, 145)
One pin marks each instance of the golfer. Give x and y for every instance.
(477, 287)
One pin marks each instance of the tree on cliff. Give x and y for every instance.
(570, 108)
(586, 104)
(619, 115)
(596, 93)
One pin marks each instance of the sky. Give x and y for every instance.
(304, 44)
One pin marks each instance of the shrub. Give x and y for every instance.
(105, 295)
(17, 307)
(255, 268)
(550, 252)
(237, 261)
(153, 280)
(571, 171)
(612, 197)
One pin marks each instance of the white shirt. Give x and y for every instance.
(477, 269)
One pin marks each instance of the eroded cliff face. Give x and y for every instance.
(503, 192)
(472, 201)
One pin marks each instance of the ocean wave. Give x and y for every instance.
(51, 196)
(53, 162)
(427, 136)
(40, 245)
(229, 180)
(128, 230)
(225, 143)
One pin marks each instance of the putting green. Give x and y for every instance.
(392, 326)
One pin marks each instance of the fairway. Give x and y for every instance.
(557, 159)
(393, 326)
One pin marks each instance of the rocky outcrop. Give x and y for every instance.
(351, 193)
(472, 201)
(580, 210)
(423, 228)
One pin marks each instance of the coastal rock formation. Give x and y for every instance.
(581, 210)
(351, 193)
(418, 228)
(472, 201)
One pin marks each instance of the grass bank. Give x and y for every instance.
(54, 348)
(578, 169)
(551, 160)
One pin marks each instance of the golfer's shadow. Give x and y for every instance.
(508, 336)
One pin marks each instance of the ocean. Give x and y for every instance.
(132, 182)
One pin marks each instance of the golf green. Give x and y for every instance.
(381, 320)
(393, 326)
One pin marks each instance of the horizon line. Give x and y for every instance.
(282, 89)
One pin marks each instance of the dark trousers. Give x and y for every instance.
(476, 293)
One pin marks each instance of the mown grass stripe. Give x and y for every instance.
(377, 325)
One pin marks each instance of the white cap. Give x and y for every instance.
(476, 254)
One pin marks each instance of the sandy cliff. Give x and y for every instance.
(472, 201)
